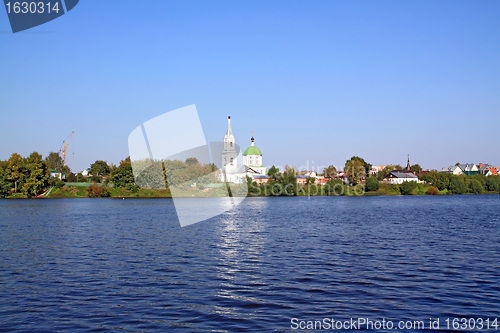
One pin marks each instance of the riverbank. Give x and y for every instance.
(82, 191)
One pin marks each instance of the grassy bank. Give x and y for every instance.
(81, 190)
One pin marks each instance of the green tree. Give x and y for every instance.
(252, 186)
(457, 186)
(334, 186)
(372, 184)
(355, 169)
(54, 161)
(16, 171)
(37, 175)
(72, 178)
(476, 187)
(416, 168)
(123, 176)
(281, 183)
(99, 168)
(273, 172)
(493, 183)
(441, 180)
(330, 171)
(153, 176)
(5, 184)
(192, 161)
(407, 187)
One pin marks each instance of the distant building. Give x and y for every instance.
(376, 169)
(301, 179)
(55, 174)
(321, 180)
(469, 169)
(229, 155)
(252, 159)
(455, 170)
(401, 176)
(487, 169)
(260, 179)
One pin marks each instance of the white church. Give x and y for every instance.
(252, 159)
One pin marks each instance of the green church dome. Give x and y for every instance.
(252, 150)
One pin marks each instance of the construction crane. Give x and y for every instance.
(65, 147)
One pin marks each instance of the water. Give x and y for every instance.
(74, 265)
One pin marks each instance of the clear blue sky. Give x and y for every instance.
(316, 80)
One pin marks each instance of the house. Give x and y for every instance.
(376, 169)
(399, 177)
(487, 169)
(260, 179)
(86, 173)
(321, 180)
(301, 179)
(455, 170)
(54, 173)
(469, 169)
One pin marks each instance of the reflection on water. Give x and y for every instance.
(105, 264)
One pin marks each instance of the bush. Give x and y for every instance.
(71, 178)
(457, 186)
(334, 187)
(407, 187)
(96, 179)
(94, 191)
(432, 191)
(476, 187)
(53, 181)
(493, 183)
(59, 183)
(372, 184)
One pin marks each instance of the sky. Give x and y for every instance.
(317, 81)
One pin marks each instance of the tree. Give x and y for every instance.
(281, 183)
(355, 169)
(95, 191)
(273, 172)
(457, 186)
(15, 171)
(54, 161)
(407, 187)
(72, 178)
(37, 175)
(99, 168)
(416, 168)
(153, 176)
(441, 180)
(123, 176)
(252, 185)
(80, 178)
(476, 187)
(334, 186)
(493, 183)
(432, 191)
(5, 184)
(372, 184)
(330, 171)
(192, 161)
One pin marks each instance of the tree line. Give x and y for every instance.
(30, 176)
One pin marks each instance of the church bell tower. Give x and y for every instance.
(229, 153)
